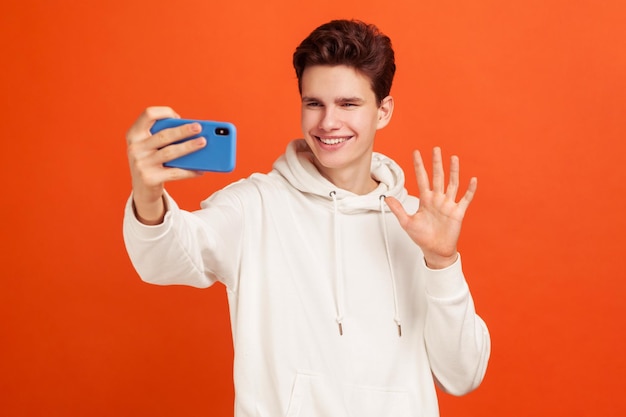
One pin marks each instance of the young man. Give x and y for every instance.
(339, 307)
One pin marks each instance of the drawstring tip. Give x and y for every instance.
(340, 329)
(399, 330)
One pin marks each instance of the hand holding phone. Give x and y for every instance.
(219, 153)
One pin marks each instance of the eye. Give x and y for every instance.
(313, 104)
(350, 104)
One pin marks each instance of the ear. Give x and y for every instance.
(385, 110)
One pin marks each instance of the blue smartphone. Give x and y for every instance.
(219, 153)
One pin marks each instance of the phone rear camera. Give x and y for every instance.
(221, 131)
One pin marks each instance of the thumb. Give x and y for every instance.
(396, 208)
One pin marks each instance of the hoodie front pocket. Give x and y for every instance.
(311, 397)
(377, 402)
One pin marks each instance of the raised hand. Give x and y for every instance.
(146, 155)
(436, 225)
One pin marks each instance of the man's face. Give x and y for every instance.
(340, 117)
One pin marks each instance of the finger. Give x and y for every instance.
(150, 147)
(469, 194)
(421, 175)
(161, 175)
(141, 128)
(171, 152)
(396, 208)
(175, 174)
(174, 134)
(438, 176)
(453, 184)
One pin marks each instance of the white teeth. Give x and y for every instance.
(334, 141)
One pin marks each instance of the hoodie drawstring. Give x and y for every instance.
(339, 278)
(396, 317)
(339, 275)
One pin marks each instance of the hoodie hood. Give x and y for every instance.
(297, 167)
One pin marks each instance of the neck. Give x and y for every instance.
(355, 182)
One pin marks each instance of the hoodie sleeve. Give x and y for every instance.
(457, 339)
(195, 249)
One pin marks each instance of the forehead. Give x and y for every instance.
(330, 82)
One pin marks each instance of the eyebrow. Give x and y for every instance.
(338, 100)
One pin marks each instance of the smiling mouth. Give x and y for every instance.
(332, 141)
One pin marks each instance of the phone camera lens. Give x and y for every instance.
(221, 131)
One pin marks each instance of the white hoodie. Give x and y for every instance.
(319, 281)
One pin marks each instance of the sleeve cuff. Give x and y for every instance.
(150, 232)
(446, 283)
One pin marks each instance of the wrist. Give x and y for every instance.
(440, 262)
(151, 213)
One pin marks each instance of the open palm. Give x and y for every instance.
(436, 225)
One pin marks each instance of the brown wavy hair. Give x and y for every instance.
(352, 43)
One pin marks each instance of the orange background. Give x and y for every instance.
(531, 94)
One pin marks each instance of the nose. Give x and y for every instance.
(330, 120)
